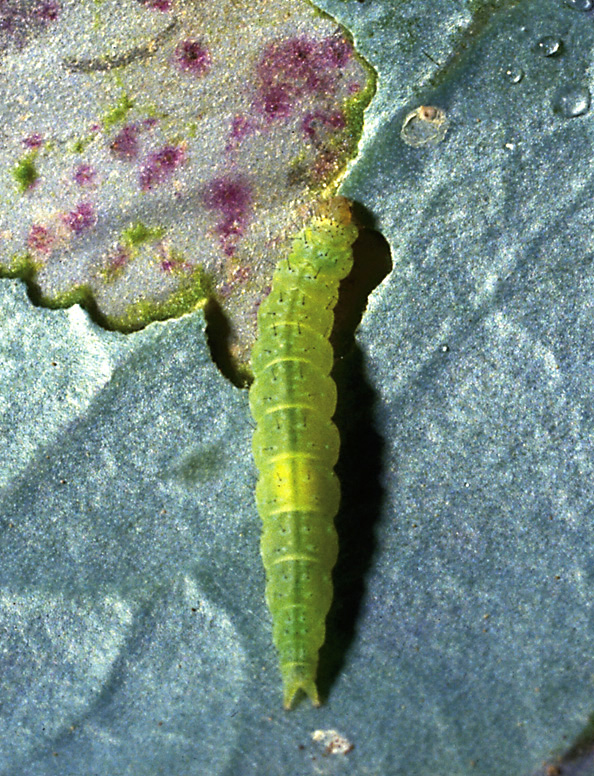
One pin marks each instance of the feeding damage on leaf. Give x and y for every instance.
(174, 116)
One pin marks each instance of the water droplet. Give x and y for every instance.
(514, 74)
(580, 5)
(427, 125)
(549, 46)
(572, 101)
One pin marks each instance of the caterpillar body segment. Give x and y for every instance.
(296, 444)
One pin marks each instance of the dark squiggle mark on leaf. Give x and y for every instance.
(110, 61)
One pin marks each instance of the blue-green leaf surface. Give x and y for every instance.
(135, 639)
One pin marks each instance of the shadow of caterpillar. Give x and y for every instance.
(296, 444)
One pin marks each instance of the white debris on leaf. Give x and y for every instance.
(332, 741)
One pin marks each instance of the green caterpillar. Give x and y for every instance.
(295, 444)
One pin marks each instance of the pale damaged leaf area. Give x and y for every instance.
(153, 153)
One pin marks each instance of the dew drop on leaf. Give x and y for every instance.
(580, 5)
(549, 46)
(514, 74)
(572, 101)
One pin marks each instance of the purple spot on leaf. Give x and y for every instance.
(40, 240)
(119, 259)
(324, 165)
(149, 123)
(313, 122)
(80, 219)
(290, 69)
(115, 262)
(35, 140)
(193, 57)
(171, 261)
(232, 199)
(240, 126)
(161, 165)
(47, 11)
(289, 62)
(239, 276)
(19, 19)
(84, 175)
(277, 103)
(334, 51)
(6, 21)
(157, 5)
(265, 292)
(125, 144)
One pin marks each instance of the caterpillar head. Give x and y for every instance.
(324, 245)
